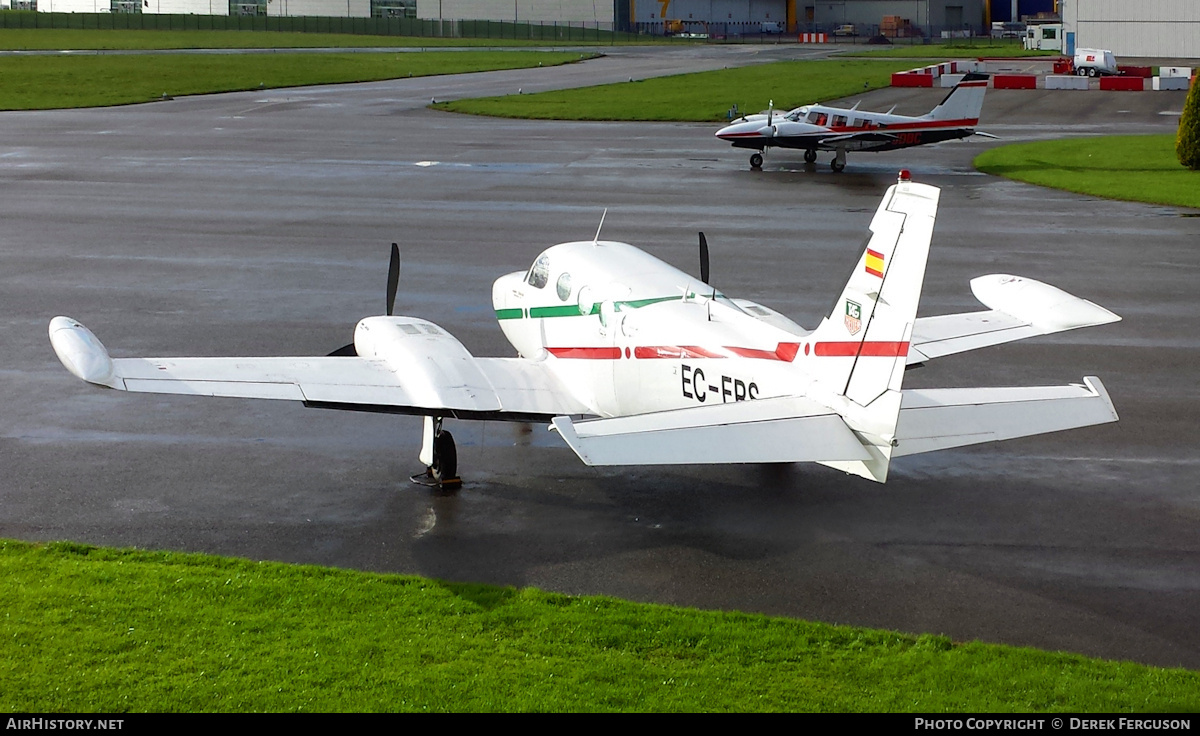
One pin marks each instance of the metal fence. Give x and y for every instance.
(759, 32)
(549, 32)
(385, 26)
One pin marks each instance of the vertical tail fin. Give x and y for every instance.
(860, 349)
(964, 101)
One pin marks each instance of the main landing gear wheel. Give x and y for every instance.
(810, 155)
(838, 166)
(756, 161)
(442, 473)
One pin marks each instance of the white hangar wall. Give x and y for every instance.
(183, 7)
(75, 6)
(320, 8)
(150, 7)
(1148, 28)
(519, 11)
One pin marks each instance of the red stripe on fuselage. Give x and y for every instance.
(866, 349)
(586, 353)
(653, 352)
(785, 351)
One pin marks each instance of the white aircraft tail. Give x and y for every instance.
(964, 101)
(861, 348)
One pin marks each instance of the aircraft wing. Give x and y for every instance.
(873, 136)
(435, 376)
(1020, 308)
(786, 429)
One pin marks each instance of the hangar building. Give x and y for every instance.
(650, 15)
(521, 11)
(1149, 28)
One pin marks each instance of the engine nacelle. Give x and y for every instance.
(430, 364)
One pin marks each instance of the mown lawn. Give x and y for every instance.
(102, 630)
(45, 82)
(1135, 168)
(698, 97)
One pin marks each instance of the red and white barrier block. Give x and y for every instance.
(813, 38)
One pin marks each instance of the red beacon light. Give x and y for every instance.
(905, 175)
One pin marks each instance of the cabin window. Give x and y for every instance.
(563, 286)
(822, 119)
(839, 121)
(539, 274)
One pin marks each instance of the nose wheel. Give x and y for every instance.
(440, 457)
(756, 161)
(810, 155)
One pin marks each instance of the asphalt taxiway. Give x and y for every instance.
(258, 224)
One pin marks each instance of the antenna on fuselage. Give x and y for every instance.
(596, 240)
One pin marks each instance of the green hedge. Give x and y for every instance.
(1187, 143)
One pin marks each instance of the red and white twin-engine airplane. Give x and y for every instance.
(635, 362)
(821, 128)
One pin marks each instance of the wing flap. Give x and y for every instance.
(938, 419)
(319, 379)
(789, 429)
(526, 387)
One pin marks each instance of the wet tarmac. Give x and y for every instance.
(258, 224)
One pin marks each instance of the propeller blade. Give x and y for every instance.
(393, 281)
(703, 258)
(770, 112)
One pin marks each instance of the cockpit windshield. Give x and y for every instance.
(539, 272)
(798, 114)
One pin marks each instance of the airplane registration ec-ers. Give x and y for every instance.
(822, 128)
(635, 362)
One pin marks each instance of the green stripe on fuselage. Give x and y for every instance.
(566, 310)
(572, 310)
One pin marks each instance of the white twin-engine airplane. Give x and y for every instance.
(822, 128)
(635, 362)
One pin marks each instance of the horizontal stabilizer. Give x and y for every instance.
(1020, 308)
(788, 429)
(937, 419)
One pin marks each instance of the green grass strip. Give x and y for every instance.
(1139, 168)
(102, 630)
(698, 97)
(44, 82)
